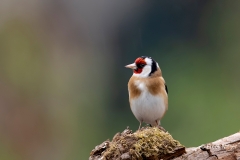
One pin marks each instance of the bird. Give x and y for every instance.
(148, 92)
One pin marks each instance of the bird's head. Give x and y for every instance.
(143, 66)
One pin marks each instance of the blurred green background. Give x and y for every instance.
(63, 85)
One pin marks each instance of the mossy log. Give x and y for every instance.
(155, 144)
(149, 143)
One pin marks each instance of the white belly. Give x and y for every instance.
(148, 108)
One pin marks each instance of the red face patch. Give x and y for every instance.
(137, 71)
(140, 62)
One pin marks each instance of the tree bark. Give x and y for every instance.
(227, 148)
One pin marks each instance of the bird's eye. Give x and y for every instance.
(141, 65)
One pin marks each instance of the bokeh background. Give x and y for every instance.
(63, 85)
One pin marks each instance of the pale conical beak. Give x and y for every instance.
(131, 66)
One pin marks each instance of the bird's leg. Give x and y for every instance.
(160, 127)
(140, 125)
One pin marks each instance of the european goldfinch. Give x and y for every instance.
(148, 93)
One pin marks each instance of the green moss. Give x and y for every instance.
(153, 142)
(147, 143)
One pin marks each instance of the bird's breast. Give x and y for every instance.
(146, 106)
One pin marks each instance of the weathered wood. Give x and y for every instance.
(227, 148)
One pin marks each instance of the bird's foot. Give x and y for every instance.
(161, 128)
